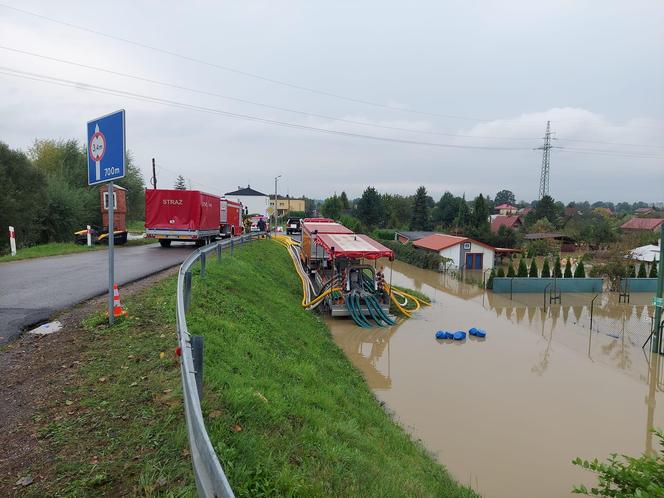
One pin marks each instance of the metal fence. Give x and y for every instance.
(210, 478)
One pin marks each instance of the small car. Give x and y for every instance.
(293, 225)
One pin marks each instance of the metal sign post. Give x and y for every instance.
(106, 162)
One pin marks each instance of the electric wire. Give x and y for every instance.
(251, 74)
(172, 103)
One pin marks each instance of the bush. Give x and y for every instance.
(653, 270)
(510, 269)
(533, 272)
(568, 269)
(417, 257)
(350, 222)
(580, 271)
(557, 272)
(489, 283)
(522, 271)
(383, 234)
(631, 271)
(626, 476)
(546, 271)
(642, 271)
(500, 273)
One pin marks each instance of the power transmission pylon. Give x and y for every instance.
(546, 161)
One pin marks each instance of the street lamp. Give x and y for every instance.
(276, 179)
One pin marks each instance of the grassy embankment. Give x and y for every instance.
(286, 411)
(62, 248)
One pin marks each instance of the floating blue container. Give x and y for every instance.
(441, 334)
(459, 336)
(477, 332)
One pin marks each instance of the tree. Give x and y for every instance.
(345, 204)
(480, 217)
(642, 271)
(500, 273)
(546, 271)
(446, 210)
(580, 271)
(557, 272)
(568, 269)
(370, 208)
(462, 219)
(533, 272)
(631, 271)
(522, 271)
(420, 217)
(510, 269)
(23, 198)
(397, 211)
(180, 183)
(505, 197)
(546, 208)
(505, 237)
(332, 207)
(653, 270)
(489, 282)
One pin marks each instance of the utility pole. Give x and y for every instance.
(546, 161)
(276, 179)
(657, 333)
(153, 181)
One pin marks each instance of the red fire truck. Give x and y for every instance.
(189, 215)
(231, 218)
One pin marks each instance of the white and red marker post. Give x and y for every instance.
(12, 240)
(89, 235)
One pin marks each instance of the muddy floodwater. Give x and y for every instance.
(507, 414)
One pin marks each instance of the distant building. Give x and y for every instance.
(254, 202)
(513, 222)
(463, 251)
(644, 211)
(642, 224)
(524, 211)
(567, 244)
(287, 205)
(506, 209)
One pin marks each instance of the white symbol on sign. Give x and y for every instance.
(97, 150)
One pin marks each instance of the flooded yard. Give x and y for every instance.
(507, 414)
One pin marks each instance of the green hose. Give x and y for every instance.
(382, 313)
(358, 310)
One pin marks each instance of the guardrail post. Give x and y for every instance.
(197, 356)
(187, 289)
(218, 252)
(202, 264)
(232, 245)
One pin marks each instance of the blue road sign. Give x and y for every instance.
(106, 148)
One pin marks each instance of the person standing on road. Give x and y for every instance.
(261, 225)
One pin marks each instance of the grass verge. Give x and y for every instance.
(62, 248)
(286, 411)
(119, 429)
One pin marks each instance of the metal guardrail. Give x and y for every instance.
(211, 482)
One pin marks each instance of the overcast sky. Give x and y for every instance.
(477, 74)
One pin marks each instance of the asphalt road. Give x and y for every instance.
(32, 290)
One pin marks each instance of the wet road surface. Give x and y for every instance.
(32, 290)
(507, 414)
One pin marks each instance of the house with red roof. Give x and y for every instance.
(513, 222)
(463, 251)
(506, 209)
(642, 224)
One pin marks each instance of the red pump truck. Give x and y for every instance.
(189, 215)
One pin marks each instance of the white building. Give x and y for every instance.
(463, 251)
(254, 202)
